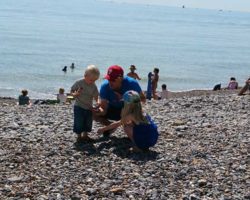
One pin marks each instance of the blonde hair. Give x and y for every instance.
(92, 71)
(134, 109)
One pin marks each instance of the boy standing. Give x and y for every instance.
(84, 91)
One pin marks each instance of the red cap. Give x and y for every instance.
(114, 72)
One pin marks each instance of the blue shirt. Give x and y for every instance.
(114, 99)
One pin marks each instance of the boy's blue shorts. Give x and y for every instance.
(82, 120)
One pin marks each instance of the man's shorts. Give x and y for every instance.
(113, 113)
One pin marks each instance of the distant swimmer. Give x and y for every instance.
(72, 66)
(64, 69)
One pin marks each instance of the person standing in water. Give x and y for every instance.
(132, 73)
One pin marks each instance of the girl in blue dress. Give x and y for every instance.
(138, 126)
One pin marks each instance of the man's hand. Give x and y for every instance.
(100, 130)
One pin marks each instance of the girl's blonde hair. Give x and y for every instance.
(133, 107)
(92, 71)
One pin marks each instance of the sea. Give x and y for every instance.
(193, 48)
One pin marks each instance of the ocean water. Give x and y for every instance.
(193, 48)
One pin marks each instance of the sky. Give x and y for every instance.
(233, 5)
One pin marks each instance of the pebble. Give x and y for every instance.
(201, 153)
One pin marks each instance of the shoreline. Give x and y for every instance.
(198, 92)
(188, 93)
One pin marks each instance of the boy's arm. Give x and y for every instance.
(76, 93)
(101, 108)
(76, 89)
(96, 107)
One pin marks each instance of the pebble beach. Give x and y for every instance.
(202, 152)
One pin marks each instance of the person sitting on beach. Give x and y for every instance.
(84, 91)
(132, 73)
(138, 126)
(233, 84)
(245, 87)
(164, 92)
(111, 91)
(23, 99)
(217, 87)
(61, 97)
(155, 79)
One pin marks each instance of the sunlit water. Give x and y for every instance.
(193, 48)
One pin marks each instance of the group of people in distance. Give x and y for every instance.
(233, 85)
(23, 98)
(72, 66)
(154, 78)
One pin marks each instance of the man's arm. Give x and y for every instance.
(103, 106)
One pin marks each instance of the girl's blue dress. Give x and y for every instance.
(145, 135)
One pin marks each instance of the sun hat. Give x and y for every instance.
(114, 72)
(131, 96)
(132, 67)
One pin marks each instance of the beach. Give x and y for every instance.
(201, 153)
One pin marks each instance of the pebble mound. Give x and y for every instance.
(202, 153)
